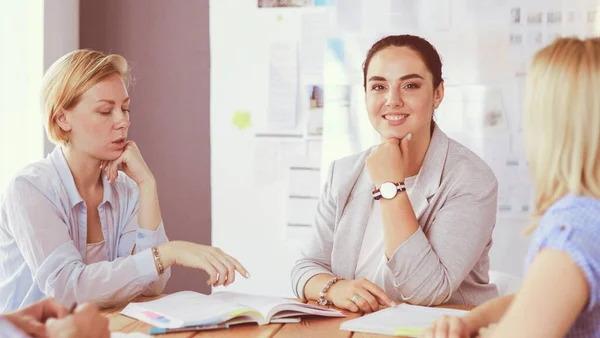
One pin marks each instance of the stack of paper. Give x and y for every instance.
(402, 320)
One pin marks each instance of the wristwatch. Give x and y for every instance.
(388, 190)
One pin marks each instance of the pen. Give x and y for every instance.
(158, 330)
(72, 309)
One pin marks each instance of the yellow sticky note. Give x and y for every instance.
(238, 312)
(241, 120)
(408, 331)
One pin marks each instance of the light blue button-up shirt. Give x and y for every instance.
(43, 232)
(7, 330)
(572, 225)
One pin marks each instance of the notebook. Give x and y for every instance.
(189, 308)
(402, 320)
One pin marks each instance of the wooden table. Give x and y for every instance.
(308, 327)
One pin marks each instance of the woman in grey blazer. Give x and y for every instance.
(411, 219)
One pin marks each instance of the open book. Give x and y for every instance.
(402, 320)
(188, 308)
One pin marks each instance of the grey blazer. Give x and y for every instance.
(445, 261)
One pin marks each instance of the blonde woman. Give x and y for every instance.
(74, 227)
(560, 295)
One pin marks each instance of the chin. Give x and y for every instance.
(110, 155)
(388, 134)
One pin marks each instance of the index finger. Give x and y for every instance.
(456, 329)
(86, 308)
(51, 308)
(381, 296)
(392, 140)
(428, 333)
(238, 266)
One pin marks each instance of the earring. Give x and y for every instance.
(435, 105)
(67, 139)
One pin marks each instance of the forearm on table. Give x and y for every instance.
(315, 284)
(488, 313)
(399, 222)
(149, 216)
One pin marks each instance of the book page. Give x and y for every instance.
(268, 306)
(184, 308)
(404, 319)
(262, 304)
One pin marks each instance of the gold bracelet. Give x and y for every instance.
(158, 261)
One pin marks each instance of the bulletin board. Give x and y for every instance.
(287, 99)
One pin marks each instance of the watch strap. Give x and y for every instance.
(400, 187)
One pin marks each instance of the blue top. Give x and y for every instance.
(572, 225)
(43, 232)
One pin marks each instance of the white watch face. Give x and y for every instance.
(388, 190)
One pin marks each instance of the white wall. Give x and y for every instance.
(21, 69)
(33, 34)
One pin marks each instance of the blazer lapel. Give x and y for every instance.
(430, 176)
(352, 226)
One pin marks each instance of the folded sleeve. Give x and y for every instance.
(580, 241)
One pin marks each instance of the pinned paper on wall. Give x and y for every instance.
(313, 41)
(284, 3)
(242, 120)
(314, 122)
(283, 81)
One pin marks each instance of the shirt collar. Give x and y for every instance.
(68, 182)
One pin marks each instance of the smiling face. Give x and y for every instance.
(99, 122)
(399, 93)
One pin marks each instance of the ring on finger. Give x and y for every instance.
(355, 298)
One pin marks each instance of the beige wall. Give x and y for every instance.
(167, 43)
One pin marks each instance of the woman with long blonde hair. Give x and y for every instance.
(560, 295)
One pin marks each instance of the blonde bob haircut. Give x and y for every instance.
(71, 76)
(562, 122)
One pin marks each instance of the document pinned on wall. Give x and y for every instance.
(304, 182)
(441, 14)
(283, 85)
(267, 161)
(349, 15)
(514, 187)
(313, 40)
(301, 211)
(404, 15)
(484, 109)
(314, 120)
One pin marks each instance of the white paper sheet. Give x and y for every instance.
(305, 182)
(301, 211)
(392, 321)
(128, 335)
(267, 161)
(283, 85)
(315, 28)
(349, 15)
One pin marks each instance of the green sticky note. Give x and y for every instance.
(408, 331)
(241, 120)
